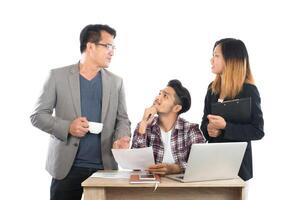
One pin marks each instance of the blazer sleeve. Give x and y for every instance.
(206, 111)
(42, 115)
(250, 131)
(122, 121)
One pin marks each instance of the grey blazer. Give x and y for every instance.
(61, 93)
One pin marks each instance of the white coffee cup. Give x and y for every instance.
(95, 127)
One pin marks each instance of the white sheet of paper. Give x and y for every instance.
(140, 158)
(112, 175)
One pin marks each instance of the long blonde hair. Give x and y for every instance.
(236, 71)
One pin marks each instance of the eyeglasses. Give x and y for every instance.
(110, 47)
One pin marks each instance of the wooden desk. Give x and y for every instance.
(108, 189)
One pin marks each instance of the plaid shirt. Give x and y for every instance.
(183, 136)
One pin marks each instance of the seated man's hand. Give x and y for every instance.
(161, 168)
(147, 118)
(164, 168)
(122, 143)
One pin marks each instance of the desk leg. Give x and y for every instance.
(94, 193)
(243, 193)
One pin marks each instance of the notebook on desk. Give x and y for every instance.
(213, 161)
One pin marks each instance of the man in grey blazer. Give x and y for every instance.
(78, 94)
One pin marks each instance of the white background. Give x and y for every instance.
(157, 41)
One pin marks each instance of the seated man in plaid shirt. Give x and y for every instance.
(170, 135)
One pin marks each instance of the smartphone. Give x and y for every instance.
(147, 177)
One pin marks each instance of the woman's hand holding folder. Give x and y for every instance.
(216, 125)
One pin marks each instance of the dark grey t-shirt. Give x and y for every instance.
(89, 150)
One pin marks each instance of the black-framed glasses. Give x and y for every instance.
(110, 47)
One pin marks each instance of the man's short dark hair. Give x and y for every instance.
(92, 33)
(183, 96)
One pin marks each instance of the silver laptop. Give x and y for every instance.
(213, 161)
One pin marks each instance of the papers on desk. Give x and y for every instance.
(112, 174)
(139, 159)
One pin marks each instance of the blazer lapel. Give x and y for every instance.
(75, 88)
(105, 93)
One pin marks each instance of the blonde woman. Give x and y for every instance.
(234, 80)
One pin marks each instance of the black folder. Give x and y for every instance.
(237, 110)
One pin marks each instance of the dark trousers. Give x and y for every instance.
(70, 187)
